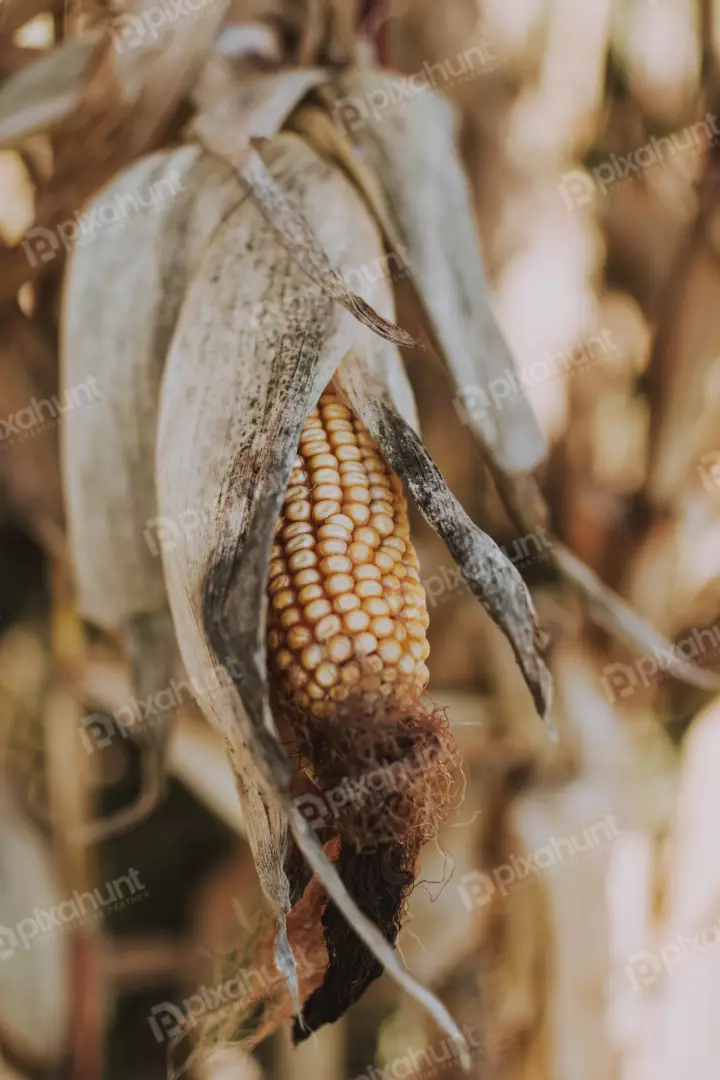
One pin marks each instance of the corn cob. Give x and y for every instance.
(347, 611)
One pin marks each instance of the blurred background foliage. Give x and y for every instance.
(591, 133)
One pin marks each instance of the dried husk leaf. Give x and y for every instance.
(108, 450)
(274, 367)
(115, 530)
(412, 153)
(222, 140)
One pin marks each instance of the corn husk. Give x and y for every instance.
(237, 460)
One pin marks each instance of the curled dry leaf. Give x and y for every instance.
(430, 222)
(115, 342)
(253, 331)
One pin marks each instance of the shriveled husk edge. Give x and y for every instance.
(240, 460)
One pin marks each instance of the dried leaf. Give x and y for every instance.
(615, 615)
(46, 92)
(430, 223)
(115, 532)
(109, 448)
(486, 570)
(286, 219)
(275, 367)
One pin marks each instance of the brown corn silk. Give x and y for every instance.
(347, 651)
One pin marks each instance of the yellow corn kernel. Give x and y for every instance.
(347, 609)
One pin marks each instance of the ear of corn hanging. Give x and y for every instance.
(347, 610)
